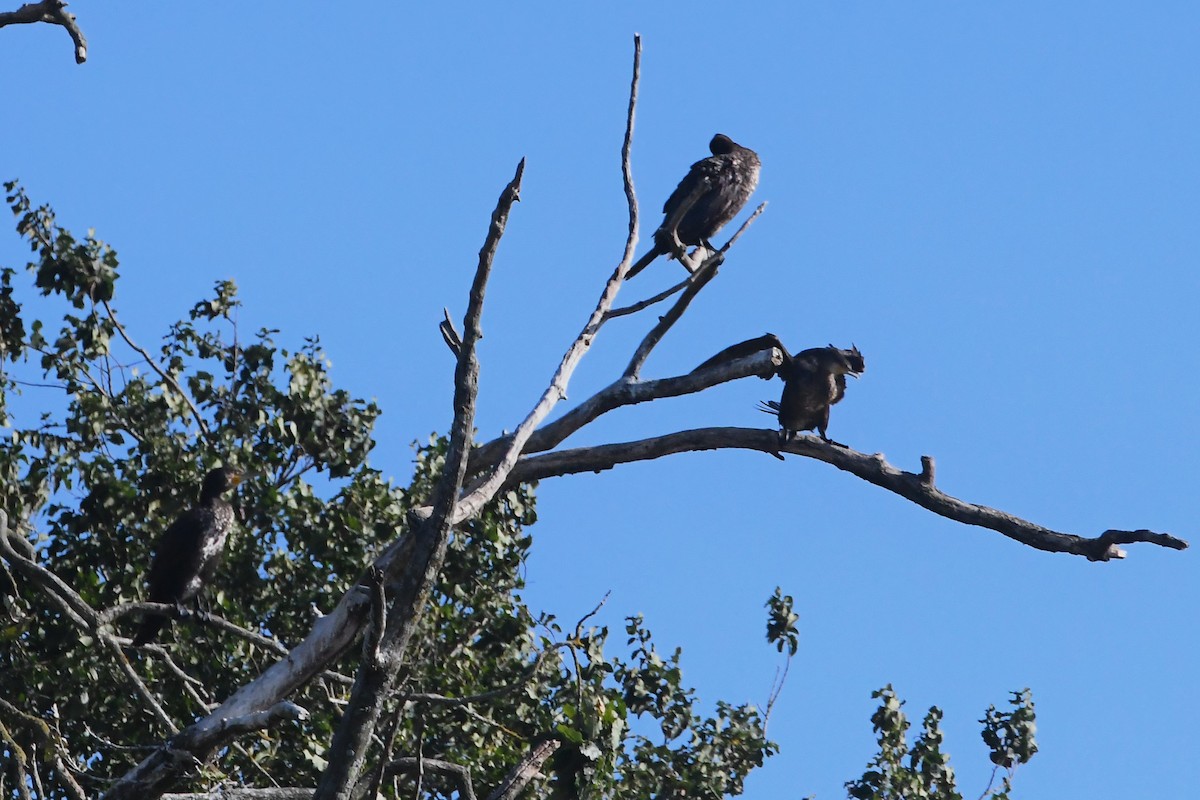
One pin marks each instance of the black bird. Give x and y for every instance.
(723, 183)
(188, 552)
(813, 381)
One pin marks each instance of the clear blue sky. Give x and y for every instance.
(997, 202)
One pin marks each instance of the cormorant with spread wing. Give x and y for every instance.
(813, 381)
(711, 194)
(188, 552)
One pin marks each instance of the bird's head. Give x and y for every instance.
(845, 362)
(219, 481)
(721, 144)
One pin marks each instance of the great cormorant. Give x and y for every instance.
(189, 551)
(813, 381)
(722, 182)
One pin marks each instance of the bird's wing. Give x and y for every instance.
(701, 170)
(747, 348)
(840, 391)
(176, 557)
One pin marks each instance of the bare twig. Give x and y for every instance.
(699, 279)
(595, 610)
(776, 691)
(486, 489)
(166, 376)
(415, 765)
(54, 12)
(633, 308)
(871, 468)
(442, 700)
(147, 696)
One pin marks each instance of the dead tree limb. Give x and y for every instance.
(411, 588)
(231, 793)
(53, 12)
(525, 771)
(626, 392)
(917, 487)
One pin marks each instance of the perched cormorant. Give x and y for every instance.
(731, 173)
(813, 381)
(189, 551)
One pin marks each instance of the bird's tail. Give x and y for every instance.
(644, 261)
(769, 407)
(149, 628)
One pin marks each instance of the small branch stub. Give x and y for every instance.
(927, 470)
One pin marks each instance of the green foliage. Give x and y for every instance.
(781, 622)
(1010, 737)
(109, 442)
(923, 772)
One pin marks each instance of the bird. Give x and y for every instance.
(813, 381)
(711, 194)
(189, 550)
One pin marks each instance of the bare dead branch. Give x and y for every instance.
(777, 684)
(703, 274)
(626, 392)
(430, 698)
(282, 711)
(699, 279)
(595, 610)
(229, 793)
(329, 638)
(377, 677)
(871, 468)
(410, 765)
(486, 489)
(633, 308)
(147, 696)
(743, 227)
(525, 771)
(53, 12)
(627, 160)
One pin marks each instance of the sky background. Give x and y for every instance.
(996, 202)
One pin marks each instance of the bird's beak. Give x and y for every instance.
(236, 478)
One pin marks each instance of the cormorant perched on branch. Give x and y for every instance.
(813, 381)
(711, 194)
(189, 551)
